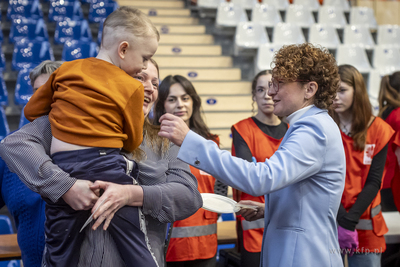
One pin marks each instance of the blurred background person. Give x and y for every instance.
(365, 139)
(258, 137)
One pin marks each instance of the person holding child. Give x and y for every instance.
(95, 109)
(361, 225)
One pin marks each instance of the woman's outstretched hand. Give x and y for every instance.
(173, 128)
(251, 214)
(116, 196)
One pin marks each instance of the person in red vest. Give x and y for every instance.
(361, 225)
(193, 241)
(257, 137)
(389, 110)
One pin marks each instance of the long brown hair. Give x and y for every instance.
(254, 85)
(389, 94)
(196, 122)
(361, 109)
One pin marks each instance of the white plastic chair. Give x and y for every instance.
(265, 55)
(281, 5)
(312, 4)
(266, 15)
(344, 4)
(363, 16)
(300, 15)
(212, 4)
(353, 55)
(249, 35)
(230, 15)
(332, 15)
(389, 35)
(386, 58)
(246, 4)
(287, 33)
(324, 35)
(358, 35)
(374, 85)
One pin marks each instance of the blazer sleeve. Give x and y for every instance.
(299, 157)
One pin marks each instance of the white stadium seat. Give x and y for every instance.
(287, 33)
(358, 35)
(344, 4)
(249, 35)
(353, 55)
(265, 55)
(209, 3)
(312, 4)
(230, 15)
(266, 15)
(389, 35)
(332, 15)
(386, 58)
(300, 15)
(281, 5)
(363, 16)
(324, 35)
(246, 4)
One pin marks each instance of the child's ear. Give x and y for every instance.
(122, 48)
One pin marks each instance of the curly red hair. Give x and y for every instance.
(307, 62)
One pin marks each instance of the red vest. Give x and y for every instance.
(262, 146)
(391, 166)
(195, 237)
(371, 226)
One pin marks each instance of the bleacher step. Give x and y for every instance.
(184, 39)
(174, 20)
(224, 120)
(194, 61)
(222, 87)
(226, 103)
(189, 50)
(174, 29)
(152, 3)
(166, 11)
(203, 74)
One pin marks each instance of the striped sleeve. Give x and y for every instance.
(26, 153)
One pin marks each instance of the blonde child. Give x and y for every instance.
(95, 109)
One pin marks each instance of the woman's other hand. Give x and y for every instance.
(117, 196)
(251, 214)
(80, 196)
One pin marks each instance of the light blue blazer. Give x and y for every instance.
(302, 183)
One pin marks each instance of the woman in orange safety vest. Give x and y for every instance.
(389, 110)
(193, 241)
(257, 137)
(365, 139)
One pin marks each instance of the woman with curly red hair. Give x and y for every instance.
(303, 180)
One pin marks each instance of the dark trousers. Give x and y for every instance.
(63, 240)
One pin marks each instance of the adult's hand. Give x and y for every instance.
(173, 128)
(80, 196)
(116, 196)
(250, 214)
(348, 240)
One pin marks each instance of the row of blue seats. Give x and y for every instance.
(59, 10)
(32, 29)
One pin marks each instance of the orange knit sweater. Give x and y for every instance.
(92, 103)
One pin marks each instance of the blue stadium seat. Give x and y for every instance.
(31, 29)
(30, 53)
(100, 32)
(101, 10)
(79, 49)
(23, 88)
(2, 59)
(4, 129)
(3, 92)
(69, 30)
(22, 119)
(1, 32)
(24, 8)
(60, 10)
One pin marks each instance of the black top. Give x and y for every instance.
(242, 149)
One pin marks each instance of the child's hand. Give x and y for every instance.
(80, 196)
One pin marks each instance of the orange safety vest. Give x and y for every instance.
(262, 146)
(195, 237)
(371, 226)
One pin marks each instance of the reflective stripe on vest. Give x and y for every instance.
(191, 231)
(364, 224)
(246, 225)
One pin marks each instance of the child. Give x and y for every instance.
(95, 109)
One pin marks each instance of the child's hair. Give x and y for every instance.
(124, 21)
(196, 122)
(46, 67)
(361, 108)
(389, 94)
(254, 85)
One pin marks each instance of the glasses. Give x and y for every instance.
(274, 83)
